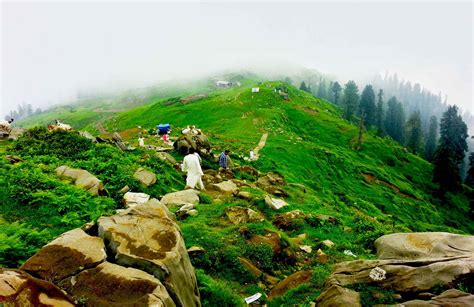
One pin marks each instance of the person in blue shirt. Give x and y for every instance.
(224, 159)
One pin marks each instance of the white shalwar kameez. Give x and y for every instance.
(192, 166)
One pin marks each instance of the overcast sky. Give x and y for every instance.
(50, 50)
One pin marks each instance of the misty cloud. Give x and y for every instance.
(52, 50)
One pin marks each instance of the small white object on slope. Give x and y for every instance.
(253, 298)
(377, 274)
(349, 253)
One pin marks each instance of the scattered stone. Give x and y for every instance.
(131, 199)
(292, 281)
(109, 284)
(82, 179)
(326, 219)
(66, 255)
(250, 267)
(306, 248)
(125, 189)
(290, 220)
(338, 296)
(13, 159)
(18, 288)
(271, 238)
(180, 198)
(302, 236)
(239, 215)
(299, 186)
(192, 212)
(226, 187)
(248, 170)
(269, 279)
(328, 243)
(322, 257)
(270, 179)
(196, 250)
(244, 195)
(147, 178)
(164, 156)
(275, 203)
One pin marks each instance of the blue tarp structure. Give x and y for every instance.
(163, 128)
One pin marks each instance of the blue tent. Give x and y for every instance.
(163, 128)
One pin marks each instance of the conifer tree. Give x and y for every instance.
(450, 151)
(414, 133)
(336, 91)
(379, 116)
(303, 86)
(395, 120)
(469, 181)
(367, 106)
(322, 89)
(430, 146)
(350, 100)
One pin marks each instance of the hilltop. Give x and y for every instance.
(348, 196)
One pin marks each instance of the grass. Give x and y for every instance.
(377, 190)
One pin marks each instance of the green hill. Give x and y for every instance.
(369, 192)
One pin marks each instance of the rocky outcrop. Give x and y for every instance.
(200, 143)
(147, 238)
(409, 263)
(65, 256)
(423, 245)
(145, 177)
(146, 263)
(164, 156)
(451, 297)
(292, 281)
(290, 220)
(181, 198)
(109, 284)
(82, 179)
(18, 288)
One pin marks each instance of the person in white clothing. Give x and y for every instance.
(192, 166)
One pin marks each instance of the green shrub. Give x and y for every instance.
(216, 293)
(261, 255)
(205, 199)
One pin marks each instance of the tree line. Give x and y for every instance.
(23, 111)
(444, 142)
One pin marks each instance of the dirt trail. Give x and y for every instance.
(261, 144)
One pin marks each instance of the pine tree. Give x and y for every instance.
(450, 151)
(322, 89)
(395, 120)
(336, 91)
(303, 87)
(414, 133)
(430, 146)
(350, 100)
(469, 181)
(288, 80)
(367, 106)
(380, 115)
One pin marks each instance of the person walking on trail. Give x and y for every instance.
(141, 141)
(224, 159)
(192, 166)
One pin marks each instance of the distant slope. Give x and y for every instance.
(310, 144)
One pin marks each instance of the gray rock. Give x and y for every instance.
(147, 178)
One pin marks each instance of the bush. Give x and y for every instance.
(216, 293)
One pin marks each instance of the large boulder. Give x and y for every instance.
(18, 288)
(82, 179)
(337, 296)
(423, 245)
(65, 256)
(407, 265)
(152, 241)
(200, 143)
(147, 178)
(109, 284)
(180, 198)
(451, 297)
(291, 220)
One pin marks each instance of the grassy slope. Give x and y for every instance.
(377, 190)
